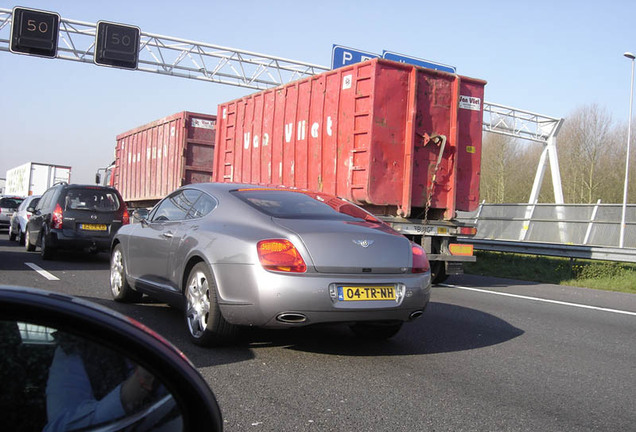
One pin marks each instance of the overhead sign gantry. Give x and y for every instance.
(90, 43)
(36, 32)
(47, 34)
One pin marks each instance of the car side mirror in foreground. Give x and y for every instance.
(69, 364)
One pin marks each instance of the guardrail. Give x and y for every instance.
(589, 231)
(559, 250)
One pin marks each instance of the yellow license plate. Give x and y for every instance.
(93, 227)
(359, 293)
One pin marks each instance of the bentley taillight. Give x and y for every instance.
(280, 255)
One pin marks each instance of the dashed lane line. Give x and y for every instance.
(42, 272)
(578, 305)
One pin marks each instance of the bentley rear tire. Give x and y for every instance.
(206, 325)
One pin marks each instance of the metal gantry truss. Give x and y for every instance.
(178, 57)
(531, 126)
(518, 123)
(207, 62)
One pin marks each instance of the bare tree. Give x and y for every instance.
(504, 176)
(493, 162)
(591, 151)
(585, 144)
(616, 166)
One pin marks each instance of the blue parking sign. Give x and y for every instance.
(343, 56)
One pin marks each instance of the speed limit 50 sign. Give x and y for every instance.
(117, 45)
(34, 32)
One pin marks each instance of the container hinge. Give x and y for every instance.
(441, 140)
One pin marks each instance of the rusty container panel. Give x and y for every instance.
(470, 117)
(153, 160)
(368, 133)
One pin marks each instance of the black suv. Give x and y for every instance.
(70, 216)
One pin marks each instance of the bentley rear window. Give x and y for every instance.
(302, 205)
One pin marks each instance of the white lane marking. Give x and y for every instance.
(42, 272)
(578, 305)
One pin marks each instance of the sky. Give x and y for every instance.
(548, 57)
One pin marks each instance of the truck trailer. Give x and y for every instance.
(154, 159)
(401, 141)
(34, 178)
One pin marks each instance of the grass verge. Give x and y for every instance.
(602, 275)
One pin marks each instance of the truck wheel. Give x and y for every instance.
(30, 247)
(206, 325)
(119, 286)
(46, 250)
(21, 238)
(438, 272)
(376, 330)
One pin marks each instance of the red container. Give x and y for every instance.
(153, 160)
(361, 132)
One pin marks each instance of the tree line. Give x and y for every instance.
(591, 150)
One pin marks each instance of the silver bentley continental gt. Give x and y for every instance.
(235, 255)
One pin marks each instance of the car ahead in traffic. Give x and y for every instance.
(20, 218)
(241, 255)
(8, 206)
(70, 216)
